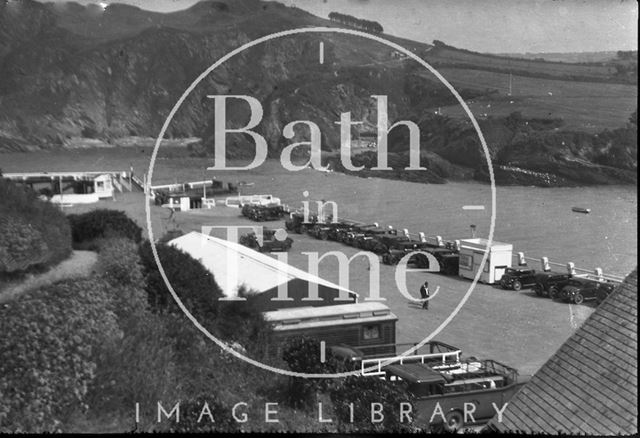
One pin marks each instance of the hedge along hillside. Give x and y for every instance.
(33, 233)
(196, 287)
(52, 340)
(191, 281)
(119, 265)
(101, 223)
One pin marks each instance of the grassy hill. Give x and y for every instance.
(73, 72)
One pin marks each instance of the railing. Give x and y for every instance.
(445, 359)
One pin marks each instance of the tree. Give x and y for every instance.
(302, 355)
(358, 396)
(193, 283)
(101, 223)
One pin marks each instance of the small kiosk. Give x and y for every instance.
(471, 253)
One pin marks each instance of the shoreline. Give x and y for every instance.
(179, 149)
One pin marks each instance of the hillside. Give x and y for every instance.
(76, 75)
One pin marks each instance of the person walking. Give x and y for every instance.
(424, 294)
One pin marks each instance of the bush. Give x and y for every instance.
(101, 223)
(33, 233)
(119, 265)
(193, 283)
(140, 368)
(363, 392)
(302, 355)
(192, 409)
(52, 340)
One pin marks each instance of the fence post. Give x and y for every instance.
(545, 264)
(521, 260)
(599, 274)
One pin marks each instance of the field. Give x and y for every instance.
(451, 55)
(584, 106)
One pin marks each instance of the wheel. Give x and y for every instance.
(538, 289)
(553, 292)
(516, 285)
(453, 421)
(578, 298)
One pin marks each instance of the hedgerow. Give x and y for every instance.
(359, 393)
(140, 368)
(101, 223)
(33, 233)
(52, 340)
(192, 282)
(119, 265)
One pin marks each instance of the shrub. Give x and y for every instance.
(119, 265)
(103, 223)
(33, 233)
(362, 392)
(51, 341)
(195, 409)
(193, 283)
(302, 355)
(140, 368)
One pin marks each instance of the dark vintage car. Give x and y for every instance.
(336, 229)
(370, 243)
(297, 224)
(261, 213)
(320, 231)
(579, 290)
(269, 241)
(548, 284)
(448, 259)
(516, 279)
(478, 386)
(389, 240)
(401, 249)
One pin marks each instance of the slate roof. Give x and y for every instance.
(589, 386)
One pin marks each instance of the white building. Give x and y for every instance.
(234, 265)
(473, 250)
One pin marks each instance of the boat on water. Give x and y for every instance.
(581, 210)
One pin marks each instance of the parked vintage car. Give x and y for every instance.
(548, 284)
(518, 278)
(401, 249)
(297, 224)
(320, 231)
(448, 259)
(269, 241)
(482, 384)
(577, 290)
(261, 213)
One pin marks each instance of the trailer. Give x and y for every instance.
(369, 325)
(473, 250)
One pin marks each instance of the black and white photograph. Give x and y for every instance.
(319, 217)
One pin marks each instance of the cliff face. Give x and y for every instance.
(71, 72)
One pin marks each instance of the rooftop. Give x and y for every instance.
(590, 385)
(234, 265)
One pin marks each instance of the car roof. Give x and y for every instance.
(416, 373)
